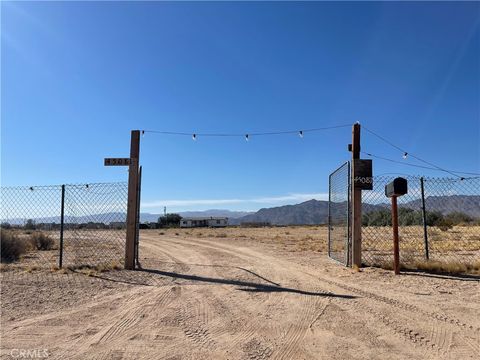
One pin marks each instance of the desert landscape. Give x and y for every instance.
(240, 294)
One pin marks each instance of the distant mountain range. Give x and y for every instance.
(306, 213)
(316, 211)
(309, 212)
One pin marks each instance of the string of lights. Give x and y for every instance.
(248, 135)
(406, 154)
(419, 166)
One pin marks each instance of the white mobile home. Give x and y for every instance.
(204, 222)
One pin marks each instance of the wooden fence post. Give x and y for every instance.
(356, 201)
(132, 200)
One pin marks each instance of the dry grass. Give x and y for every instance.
(291, 238)
(448, 267)
(12, 246)
(42, 241)
(92, 270)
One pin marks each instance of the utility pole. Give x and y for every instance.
(132, 200)
(356, 200)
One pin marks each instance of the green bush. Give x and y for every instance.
(12, 247)
(407, 217)
(42, 241)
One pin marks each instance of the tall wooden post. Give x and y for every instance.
(132, 200)
(356, 201)
(396, 248)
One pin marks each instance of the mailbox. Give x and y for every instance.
(397, 187)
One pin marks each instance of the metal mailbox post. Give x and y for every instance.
(396, 188)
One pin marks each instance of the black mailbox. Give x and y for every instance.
(397, 187)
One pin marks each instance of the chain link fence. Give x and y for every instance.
(92, 232)
(339, 214)
(439, 220)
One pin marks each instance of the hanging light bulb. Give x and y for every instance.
(405, 155)
(246, 137)
(143, 133)
(300, 133)
(194, 137)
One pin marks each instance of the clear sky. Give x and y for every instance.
(77, 77)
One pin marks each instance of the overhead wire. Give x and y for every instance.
(418, 166)
(406, 153)
(247, 136)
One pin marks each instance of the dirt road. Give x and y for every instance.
(203, 298)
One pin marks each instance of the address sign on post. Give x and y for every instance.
(117, 161)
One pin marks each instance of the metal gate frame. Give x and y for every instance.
(348, 238)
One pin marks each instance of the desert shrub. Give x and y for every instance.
(6, 225)
(221, 235)
(42, 241)
(12, 247)
(442, 267)
(458, 217)
(445, 224)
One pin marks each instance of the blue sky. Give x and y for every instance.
(77, 77)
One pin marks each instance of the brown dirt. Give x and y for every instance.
(251, 295)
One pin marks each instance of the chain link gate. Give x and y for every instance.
(339, 236)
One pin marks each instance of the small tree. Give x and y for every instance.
(30, 225)
(169, 220)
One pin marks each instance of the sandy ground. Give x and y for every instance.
(212, 295)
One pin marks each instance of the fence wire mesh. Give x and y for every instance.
(339, 214)
(94, 226)
(449, 208)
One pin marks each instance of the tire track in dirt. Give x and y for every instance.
(441, 340)
(125, 325)
(195, 329)
(246, 336)
(295, 333)
(128, 320)
(434, 339)
(246, 321)
(401, 305)
(297, 330)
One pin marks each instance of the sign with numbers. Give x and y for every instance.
(117, 161)
(362, 177)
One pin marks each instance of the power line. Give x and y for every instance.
(246, 135)
(406, 153)
(420, 166)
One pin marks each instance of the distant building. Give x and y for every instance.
(204, 222)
